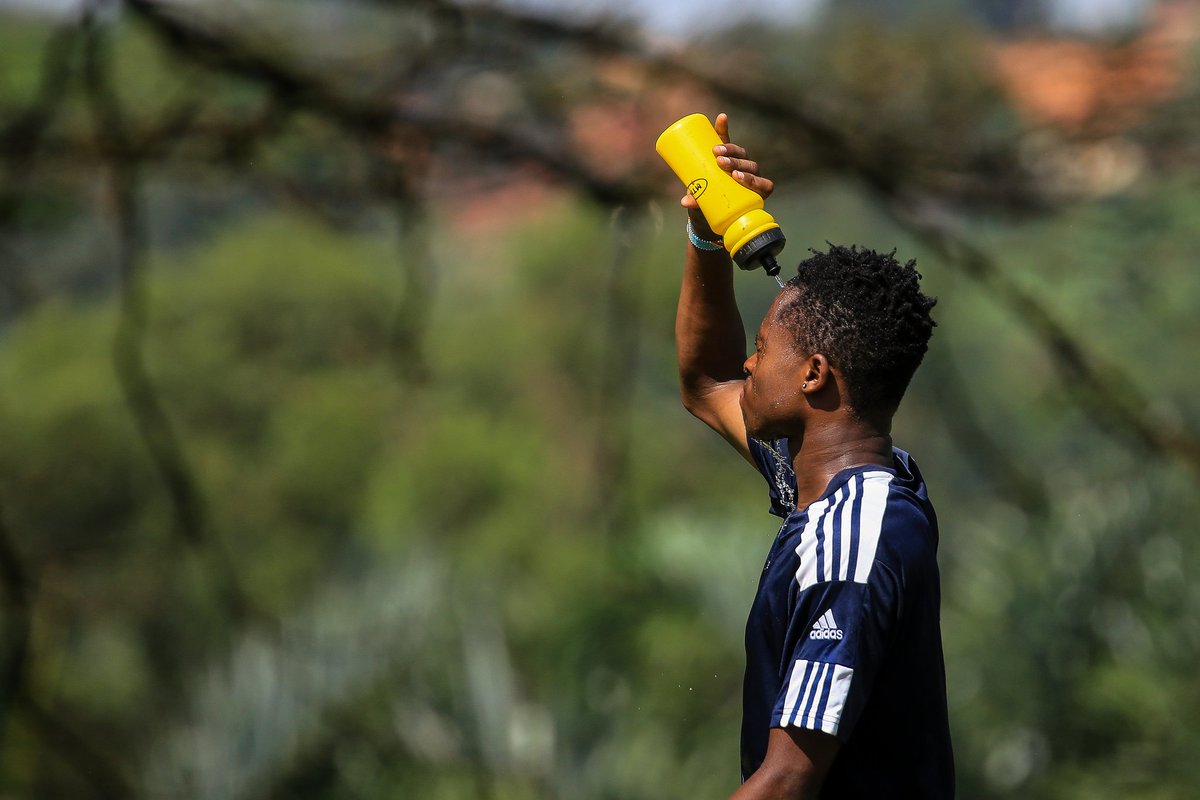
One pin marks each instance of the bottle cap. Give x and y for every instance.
(761, 251)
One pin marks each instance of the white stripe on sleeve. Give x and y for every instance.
(818, 703)
(858, 535)
(793, 690)
(870, 522)
(842, 568)
(806, 574)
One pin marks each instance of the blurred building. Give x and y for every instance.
(1094, 88)
(1081, 97)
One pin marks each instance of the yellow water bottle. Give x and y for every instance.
(734, 212)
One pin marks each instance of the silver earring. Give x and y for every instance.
(804, 385)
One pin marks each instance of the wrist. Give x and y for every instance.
(704, 240)
(700, 225)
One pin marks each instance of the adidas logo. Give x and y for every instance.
(825, 627)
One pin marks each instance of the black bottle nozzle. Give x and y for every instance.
(761, 251)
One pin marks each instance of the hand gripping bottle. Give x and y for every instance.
(736, 213)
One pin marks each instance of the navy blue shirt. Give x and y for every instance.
(844, 634)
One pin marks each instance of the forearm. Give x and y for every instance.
(777, 785)
(710, 339)
(794, 768)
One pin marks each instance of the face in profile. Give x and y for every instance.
(772, 402)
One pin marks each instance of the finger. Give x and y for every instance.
(688, 202)
(733, 150)
(722, 126)
(763, 186)
(740, 164)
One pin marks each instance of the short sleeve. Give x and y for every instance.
(837, 638)
(775, 463)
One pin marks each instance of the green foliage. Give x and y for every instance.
(22, 43)
(525, 574)
(1068, 632)
(270, 348)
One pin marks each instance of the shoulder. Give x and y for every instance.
(908, 524)
(868, 517)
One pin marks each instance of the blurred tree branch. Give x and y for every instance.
(75, 750)
(20, 142)
(897, 187)
(980, 446)
(1119, 407)
(416, 263)
(384, 141)
(18, 609)
(378, 119)
(157, 432)
(96, 769)
(618, 371)
(21, 139)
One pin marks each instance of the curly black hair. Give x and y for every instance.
(865, 312)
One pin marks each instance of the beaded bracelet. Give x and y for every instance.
(702, 244)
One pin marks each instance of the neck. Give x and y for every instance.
(823, 451)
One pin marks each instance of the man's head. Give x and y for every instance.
(855, 311)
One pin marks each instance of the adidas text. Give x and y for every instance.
(826, 627)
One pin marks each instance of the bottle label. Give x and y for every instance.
(697, 187)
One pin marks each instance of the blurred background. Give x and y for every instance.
(340, 447)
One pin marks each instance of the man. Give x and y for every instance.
(844, 691)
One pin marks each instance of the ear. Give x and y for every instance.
(815, 373)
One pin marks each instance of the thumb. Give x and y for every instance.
(722, 126)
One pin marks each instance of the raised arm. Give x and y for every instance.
(710, 339)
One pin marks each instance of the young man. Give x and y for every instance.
(844, 691)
